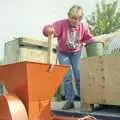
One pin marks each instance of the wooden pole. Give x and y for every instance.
(50, 47)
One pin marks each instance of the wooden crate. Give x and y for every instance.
(26, 49)
(100, 82)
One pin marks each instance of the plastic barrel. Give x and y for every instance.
(94, 49)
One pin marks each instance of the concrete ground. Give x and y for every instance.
(109, 113)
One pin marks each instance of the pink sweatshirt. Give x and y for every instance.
(62, 29)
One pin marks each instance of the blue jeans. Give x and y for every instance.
(73, 61)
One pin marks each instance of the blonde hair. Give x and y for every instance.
(75, 10)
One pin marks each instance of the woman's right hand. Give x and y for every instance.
(50, 30)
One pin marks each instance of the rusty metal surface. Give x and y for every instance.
(11, 108)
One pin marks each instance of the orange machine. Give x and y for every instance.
(31, 87)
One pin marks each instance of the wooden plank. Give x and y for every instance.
(112, 84)
(33, 42)
(92, 81)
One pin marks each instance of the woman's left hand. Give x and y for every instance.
(103, 42)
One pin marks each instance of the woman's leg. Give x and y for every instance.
(75, 61)
(68, 87)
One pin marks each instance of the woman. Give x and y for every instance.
(72, 33)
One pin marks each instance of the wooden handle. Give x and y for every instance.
(50, 47)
